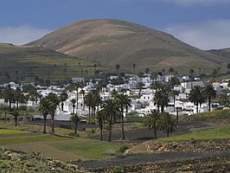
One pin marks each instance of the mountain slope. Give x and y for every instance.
(111, 42)
(23, 63)
(221, 52)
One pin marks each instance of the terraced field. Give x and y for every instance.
(58, 147)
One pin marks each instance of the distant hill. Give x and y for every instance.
(221, 52)
(21, 63)
(111, 42)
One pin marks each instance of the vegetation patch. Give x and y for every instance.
(209, 134)
(215, 115)
(11, 132)
(23, 163)
(88, 149)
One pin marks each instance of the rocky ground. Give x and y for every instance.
(18, 162)
(163, 162)
(190, 156)
(222, 145)
(210, 165)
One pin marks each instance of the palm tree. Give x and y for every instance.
(151, 121)
(140, 87)
(53, 103)
(44, 109)
(117, 68)
(224, 99)
(8, 95)
(73, 101)
(63, 97)
(196, 97)
(147, 70)
(171, 70)
(100, 119)
(156, 85)
(173, 82)
(161, 98)
(82, 92)
(123, 102)
(96, 102)
(34, 95)
(77, 86)
(17, 96)
(209, 94)
(111, 110)
(174, 93)
(75, 119)
(88, 102)
(15, 114)
(191, 72)
(134, 68)
(166, 123)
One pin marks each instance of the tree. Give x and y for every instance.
(171, 70)
(140, 86)
(18, 96)
(15, 114)
(191, 72)
(228, 66)
(8, 95)
(53, 103)
(123, 102)
(73, 101)
(147, 70)
(117, 68)
(166, 123)
(96, 102)
(156, 85)
(209, 94)
(224, 99)
(44, 109)
(75, 119)
(196, 97)
(34, 95)
(173, 82)
(161, 98)
(134, 68)
(75, 87)
(101, 116)
(151, 121)
(63, 98)
(82, 92)
(111, 110)
(174, 93)
(88, 102)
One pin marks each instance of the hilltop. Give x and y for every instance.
(111, 42)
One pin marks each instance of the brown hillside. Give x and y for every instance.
(111, 42)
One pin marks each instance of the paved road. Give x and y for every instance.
(131, 160)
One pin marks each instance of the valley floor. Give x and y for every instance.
(201, 144)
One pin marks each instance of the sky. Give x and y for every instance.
(202, 23)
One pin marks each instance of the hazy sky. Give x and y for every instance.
(201, 23)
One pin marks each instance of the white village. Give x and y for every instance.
(141, 91)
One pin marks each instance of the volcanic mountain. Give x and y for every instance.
(110, 42)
